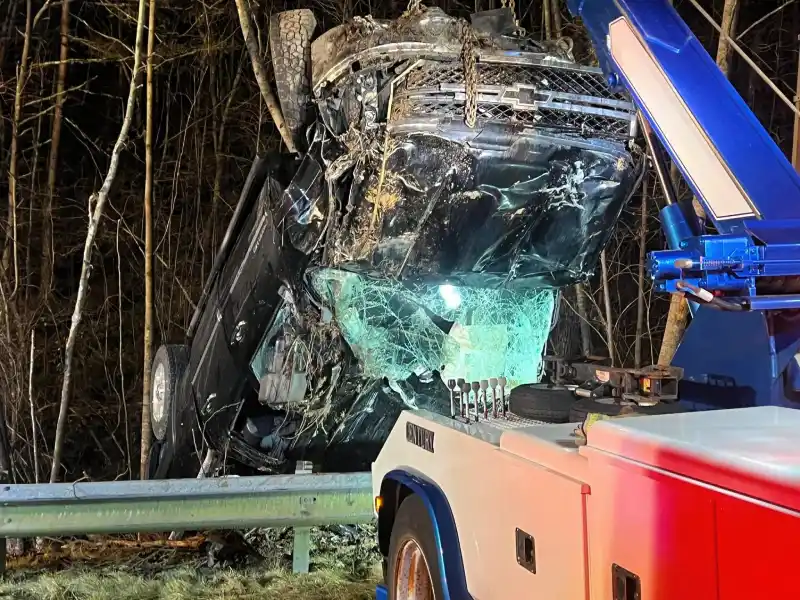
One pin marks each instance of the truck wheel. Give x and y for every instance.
(541, 402)
(413, 556)
(169, 364)
(608, 406)
(153, 457)
(290, 33)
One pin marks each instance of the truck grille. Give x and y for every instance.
(572, 100)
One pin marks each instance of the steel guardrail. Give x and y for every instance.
(64, 509)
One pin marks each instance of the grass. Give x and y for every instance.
(345, 565)
(184, 584)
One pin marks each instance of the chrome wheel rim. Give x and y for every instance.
(412, 576)
(159, 393)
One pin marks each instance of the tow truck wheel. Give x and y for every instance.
(413, 566)
(169, 364)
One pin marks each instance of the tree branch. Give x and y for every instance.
(94, 220)
(148, 252)
(261, 76)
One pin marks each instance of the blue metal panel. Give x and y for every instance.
(735, 359)
(774, 232)
(676, 226)
(786, 302)
(381, 593)
(740, 139)
(451, 566)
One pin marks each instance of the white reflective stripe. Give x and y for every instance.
(696, 154)
(705, 295)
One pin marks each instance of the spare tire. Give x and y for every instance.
(541, 402)
(290, 34)
(612, 408)
(169, 364)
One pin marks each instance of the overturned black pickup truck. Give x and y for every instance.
(451, 177)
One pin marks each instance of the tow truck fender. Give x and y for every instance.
(398, 485)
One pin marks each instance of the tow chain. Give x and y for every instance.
(512, 4)
(469, 60)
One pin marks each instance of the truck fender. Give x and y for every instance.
(395, 487)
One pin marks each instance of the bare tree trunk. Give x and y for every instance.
(33, 187)
(34, 434)
(5, 458)
(796, 134)
(607, 306)
(123, 401)
(5, 477)
(678, 315)
(548, 32)
(5, 30)
(218, 136)
(583, 315)
(101, 197)
(55, 142)
(730, 14)
(556, 10)
(147, 433)
(637, 349)
(261, 75)
(676, 324)
(22, 74)
(6, 38)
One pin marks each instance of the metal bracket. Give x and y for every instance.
(625, 585)
(526, 551)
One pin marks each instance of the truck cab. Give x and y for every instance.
(450, 178)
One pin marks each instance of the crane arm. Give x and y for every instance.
(742, 178)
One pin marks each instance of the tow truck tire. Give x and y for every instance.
(541, 402)
(413, 536)
(290, 34)
(169, 364)
(584, 406)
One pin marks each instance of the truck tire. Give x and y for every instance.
(153, 457)
(581, 408)
(290, 34)
(541, 402)
(169, 365)
(413, 543)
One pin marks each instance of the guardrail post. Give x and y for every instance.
(5, 469)
(301, 551)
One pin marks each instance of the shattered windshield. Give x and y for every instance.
(455, 177)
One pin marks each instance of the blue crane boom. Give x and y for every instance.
(747, 186)
(645, 46)
(743, 345)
